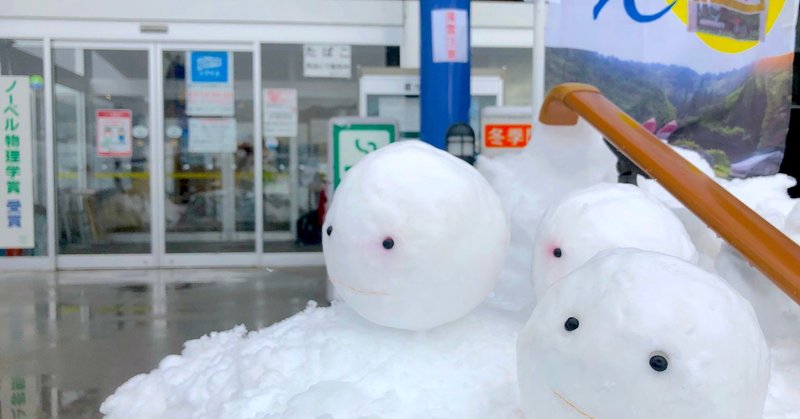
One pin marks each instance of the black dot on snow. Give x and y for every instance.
(571, 324)
(659, 363)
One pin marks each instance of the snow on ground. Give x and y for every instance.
(331, 363)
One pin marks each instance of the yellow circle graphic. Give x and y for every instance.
(722, 43)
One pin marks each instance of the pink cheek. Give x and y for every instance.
(551, 250)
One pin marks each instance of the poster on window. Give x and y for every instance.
(714, 76)
(327, 61)
(212, 135)
(113, 128)
(209, 83)
(280, 112)
(16, 164)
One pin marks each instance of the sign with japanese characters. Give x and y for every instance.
(280, 112)
(351, 138)
(19, 397)
(114, 132)
(212, 135)
(450, 32)
(330, 61)
(506, 135)
(209, 83)
(16, 164)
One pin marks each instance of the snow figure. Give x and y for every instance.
(415, 237)
(656, 338)
(602, 217)
(557, 161)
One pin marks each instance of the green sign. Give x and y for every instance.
(354, 138)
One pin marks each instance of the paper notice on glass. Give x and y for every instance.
(212, 135)
(209, 83)
(404, 109)
(450, 36)
(280, 112)
(114, 132)
(331, 61)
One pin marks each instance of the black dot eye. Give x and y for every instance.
(557, 252)
(329, 230)
(388, 243)
(659, 363)
(571, 324)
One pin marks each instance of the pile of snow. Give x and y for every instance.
(332, 363)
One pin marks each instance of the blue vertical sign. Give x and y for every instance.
(444, 68)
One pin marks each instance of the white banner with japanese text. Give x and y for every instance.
(16, 164)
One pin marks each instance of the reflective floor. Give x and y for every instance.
(68, 339)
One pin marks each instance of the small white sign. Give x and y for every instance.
(450, 33)
(16, 164)
(209, 83)
(140, 131)
(114, 133)
(212, 135)
(329, 61)
(280, 112)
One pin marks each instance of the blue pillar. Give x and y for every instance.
(444, 67)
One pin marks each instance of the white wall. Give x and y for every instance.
(368, 22)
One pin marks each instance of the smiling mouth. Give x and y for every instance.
(572, 405)
(358, 290)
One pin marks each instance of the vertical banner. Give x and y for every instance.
(16, 164)
(714, 76)
(209, 83)
(113, 128)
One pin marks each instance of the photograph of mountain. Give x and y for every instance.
(737, 116)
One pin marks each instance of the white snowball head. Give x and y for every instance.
(414, 237)
(656, 338)
(601, 217)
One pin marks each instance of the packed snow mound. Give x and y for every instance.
(601, 217)
(414, 237)
(766, 195)
(559, 160)
(331, 363)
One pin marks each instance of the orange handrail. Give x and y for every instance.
(766, 247)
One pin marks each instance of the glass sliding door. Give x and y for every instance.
(208, 151)
(102, 150)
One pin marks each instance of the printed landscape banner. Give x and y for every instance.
(711, 75)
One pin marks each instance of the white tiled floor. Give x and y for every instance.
(68, 339)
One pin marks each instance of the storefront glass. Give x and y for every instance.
(24, 58)
(295, 167)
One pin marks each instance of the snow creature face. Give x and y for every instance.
(414, 237)
(635, 334)
(602, 217)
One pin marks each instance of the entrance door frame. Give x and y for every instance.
(111, 32)
(158, 257)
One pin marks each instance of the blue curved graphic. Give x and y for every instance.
(633, 12)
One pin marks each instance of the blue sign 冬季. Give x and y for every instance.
(209, 66)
